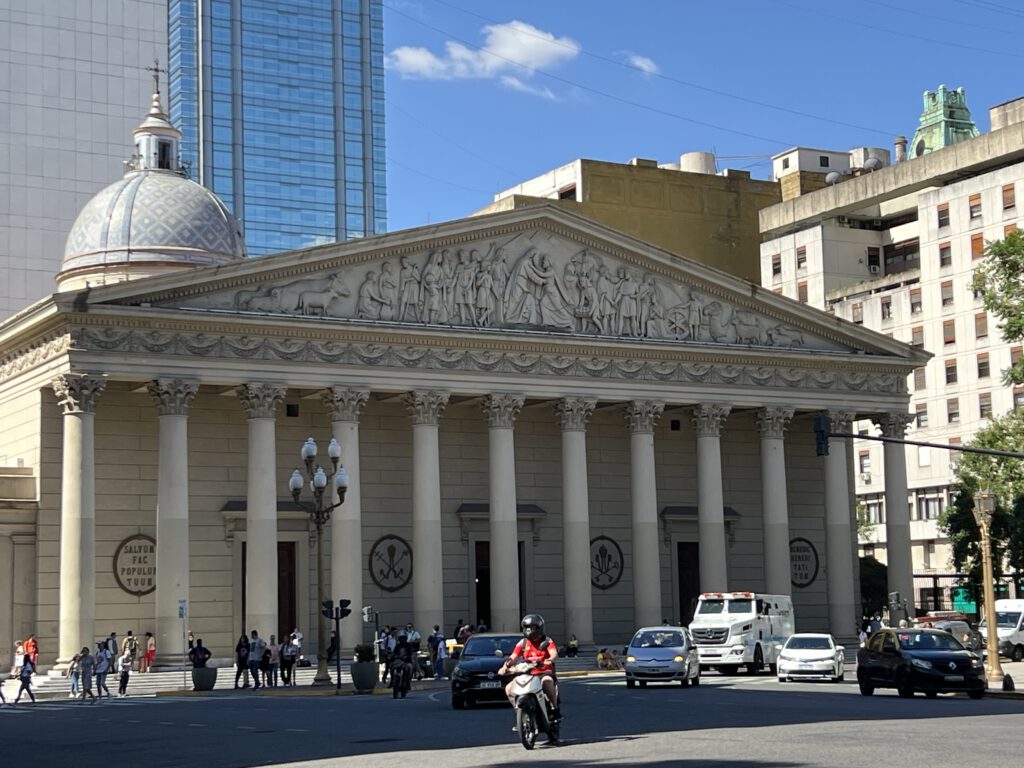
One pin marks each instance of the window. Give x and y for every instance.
(823, 161)
(1015, 353)
(1018, 397)
(977, 246)
(951, 372)
(946, 290)
(980, 325)
(917, 336)
(974, 206)
(864, 461)
(945, 254)
(921, 411)
(801, 257)
(1009, 229)
(949, 332)
(953, 410)
(776, 265)
(983, 366)
(801, 291)
(915, 301)
(929, 505)
(857, 313)
(943, 219)
(920, 379)
(1009, 196)
(887, 308)
(874, 257)
(985, 405)
(785, 163)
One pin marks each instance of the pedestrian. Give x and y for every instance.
(199, 654)
(458, 628)
(439, 659)
(131, 647)
(256, 647)
(27, 670)
(265, 666)
(862, 636)
(464, 634)
(572, 647)
(414, 639)
(112, 646)
(332, 647)
(31, 650)
(275, 660)
(3, 699)
(434, 640)
(124, 664)
(19, 654)
(74, 674)
(191, 640)
(86, 665)
(103, 663)
(242, 660)
(289, 654)
(481, 626)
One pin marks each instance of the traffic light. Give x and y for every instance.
(367, 614)
(822, 427)
(328, 609)
(343, 608)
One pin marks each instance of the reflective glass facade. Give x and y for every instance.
(281, 107)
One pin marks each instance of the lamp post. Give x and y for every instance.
(320, 513)
(984, 508)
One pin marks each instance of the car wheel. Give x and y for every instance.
(696, 681)
(841, 676)
(630, 683)
(1018, 653)
(782, 679)
(458, 702)
(758, 663)
(865, 689)
(976, 694)
(903, 687)
(773, 669)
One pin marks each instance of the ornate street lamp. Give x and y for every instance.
(320, 513)
(984, 508)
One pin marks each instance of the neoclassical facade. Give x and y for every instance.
(535, 412)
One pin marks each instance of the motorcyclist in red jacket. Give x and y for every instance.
(539, 649)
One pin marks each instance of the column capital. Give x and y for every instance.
(502, 410)
(642, 415)
(842, 421)
(708, 418)
(574, 413)
(773, 422)
(260, 401)
(344, 404)
(78, 392)
(172, 396)
(894, 423)
(425, 406)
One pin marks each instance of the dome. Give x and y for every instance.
(152, 221)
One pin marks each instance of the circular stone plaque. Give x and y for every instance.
(135, 565)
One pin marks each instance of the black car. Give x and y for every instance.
(475, 678)
(912, 660)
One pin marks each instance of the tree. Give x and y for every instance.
(874, 586)
(865, 525)
(1004, 476)
(999, 282)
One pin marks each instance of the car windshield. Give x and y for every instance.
(489, 646)
(808, 644)
(1005, 619)
(657, 639)
(726, 606)
(929, 641)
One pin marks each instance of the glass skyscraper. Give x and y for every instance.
(281, 108)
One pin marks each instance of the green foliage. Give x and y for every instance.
(865, 526)
(1002, 290)
(874, 586)
(364, 652)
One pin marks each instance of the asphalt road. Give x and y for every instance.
(726, 722)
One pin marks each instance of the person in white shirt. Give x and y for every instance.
(124, 665)
(103, 662)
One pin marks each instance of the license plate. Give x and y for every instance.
(954, 678)
(490, 684)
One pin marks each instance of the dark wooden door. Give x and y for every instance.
(287, 591)
(688, 564)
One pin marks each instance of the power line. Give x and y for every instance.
(916, 13)
(986, 5)
(410, 169)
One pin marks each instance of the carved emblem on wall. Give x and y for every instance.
(391, 563)
(135, 565)
(803, 562)
(605, 562)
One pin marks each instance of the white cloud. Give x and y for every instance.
(644, 64)
(515, 84)
(514, 47)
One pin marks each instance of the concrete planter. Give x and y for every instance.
(204, 678)
(364, 675)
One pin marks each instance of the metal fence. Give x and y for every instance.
(956, 592)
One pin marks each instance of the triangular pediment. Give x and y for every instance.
(543, 271)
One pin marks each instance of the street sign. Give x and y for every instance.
(183, 609)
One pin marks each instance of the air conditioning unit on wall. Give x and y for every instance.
(865, 477)
(874, 269)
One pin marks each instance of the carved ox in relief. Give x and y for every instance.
(729, 325)
(308, 297)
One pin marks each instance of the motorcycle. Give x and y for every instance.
(401, 677)
(534, 713)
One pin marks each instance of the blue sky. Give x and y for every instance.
(483, 94)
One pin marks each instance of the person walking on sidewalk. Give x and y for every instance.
(149, 654)
(27, 670)
(275, 660)
(256, 647)
(32, 649)
(124, 665)
(103, 663)
(242, 660)
(131, 646)
(289, 654)
(86, 665)
(74, 674)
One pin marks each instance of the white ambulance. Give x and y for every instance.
(734, 629)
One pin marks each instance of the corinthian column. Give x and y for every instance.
(260, 402)
(344, 405)
(775, 505)
(173, 397)
(574, 413)
(842, 613)
(428, 564)
(897, 513)
(642, 415)
(501, 412)
(708, 418)
(77, 393)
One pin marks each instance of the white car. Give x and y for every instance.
(810, 656)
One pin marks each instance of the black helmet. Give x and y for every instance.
(533, 626)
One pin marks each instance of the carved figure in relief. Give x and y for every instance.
(432, 298)
(464, 287)
(387, 289)
(554, 304)
(499, 279)
(747, 326)
(783, 336)
(369, 299)
(448, 286)
(484, 298)
(652, 310)
(307, 296)
(694, 312)
(606, 312)
(627, 299)
(409, 290)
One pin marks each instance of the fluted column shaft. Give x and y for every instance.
(344, 406)
(501, 412)
(899, 561)
(574, 413)
(642, 416)
(77, 394)
(260, 402)
(774, 500)
(842, 613)
(714, 573)
(173, 397)
(425, 408)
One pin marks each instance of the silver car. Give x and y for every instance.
(662, 655)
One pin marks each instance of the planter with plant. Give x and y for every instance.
(364, 669)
